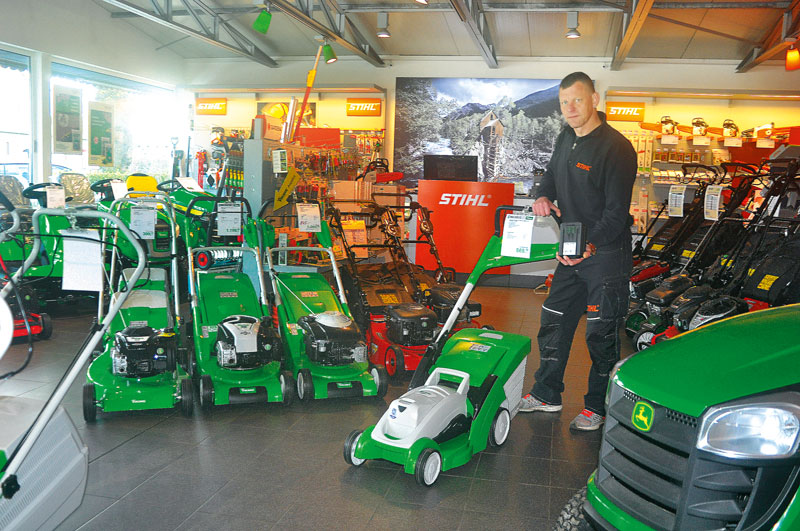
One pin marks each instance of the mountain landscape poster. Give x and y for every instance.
(510, 124)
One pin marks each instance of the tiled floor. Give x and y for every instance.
(267, 467)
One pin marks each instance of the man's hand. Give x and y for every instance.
(543, 206)
(590, 251)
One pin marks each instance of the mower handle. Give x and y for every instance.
(7, 204)
(515, 208)
(217, 199)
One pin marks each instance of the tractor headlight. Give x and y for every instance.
(751, 431)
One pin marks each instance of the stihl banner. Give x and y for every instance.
(211, 105)
(625, 111)
(363, 106)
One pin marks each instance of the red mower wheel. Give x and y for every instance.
(394, 362)
(203, 260)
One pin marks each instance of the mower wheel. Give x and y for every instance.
(634, 320)
(643, 339)
(187, 398)
(381, 378)
(501, 425)
(171, 359)
(206, 393)
(305, 385)
(47, 326)
(350, 449)
(394, 362)
(487, 327)
(191, 364)
(571, 517)
(428, 467)
(287, 389)
(89, 403)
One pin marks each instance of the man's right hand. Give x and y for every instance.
(543, 206)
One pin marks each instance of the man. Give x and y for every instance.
(591, 175)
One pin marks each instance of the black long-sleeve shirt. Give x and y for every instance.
(592, 179)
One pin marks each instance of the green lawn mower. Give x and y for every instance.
(137, 367)
(464, 393)
(237, 355)
(325, 348)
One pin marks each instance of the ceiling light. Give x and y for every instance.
(329, 54)
(792, 58)
(423, 2)
(383, 26)
(572, 25)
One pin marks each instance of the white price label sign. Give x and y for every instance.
(767, 143)
(83, 262)
(55, 197)
(676, 199)
(517, 235)
(701, 141)
(119, 189)
(356, 233)
(283, 241)
(733, 141)
(229, 219)
(712, 201)
(667, 140)
(143, 222)
(308, 217)
(190, 184)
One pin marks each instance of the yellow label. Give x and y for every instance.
(687, 253)
(289, 183)
(657, 247)
(389, 298)
(726, 262)
(750, 272)
(423, 286)
(767, 282)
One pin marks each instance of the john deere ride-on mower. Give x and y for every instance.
(464, 393)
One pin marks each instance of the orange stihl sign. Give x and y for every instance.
(624, 111)
(211, 105)
(363, 106)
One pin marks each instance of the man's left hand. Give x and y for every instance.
(590, 251)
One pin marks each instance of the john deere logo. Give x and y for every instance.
(642, 417)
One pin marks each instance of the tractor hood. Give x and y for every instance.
(730, 359)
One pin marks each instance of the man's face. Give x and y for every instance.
(577, 104)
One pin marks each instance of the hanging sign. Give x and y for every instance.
(83, 263)
(733, 141)
(67, 120)
(668, 140)
(767, 143)
(229, 219)
(712, 200)
(517, 235)
(101, 138)
(625, 111)
(364, 106)
(211, 106)
(280, 162)
(55, 197)
(289, 183)
(676, 198)
(143, 222)
(308, 218)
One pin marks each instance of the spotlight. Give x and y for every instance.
(383, 26)
(329, 54)
(572, 25)
(792, 58)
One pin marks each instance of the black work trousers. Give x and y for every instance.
(598, 286)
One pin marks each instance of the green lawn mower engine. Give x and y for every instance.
(141, 351)
(332, 338)
(245, 342)
(410, 324)
(444, 296)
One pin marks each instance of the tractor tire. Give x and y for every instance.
(305, 386)
(428, 467)
(206, 393)
(89, 403)
(501, 425)
(381, 378)
(350, 449)
(47, 326)
(395, 363)
(571, 517)
(287, 388)
(187, 397)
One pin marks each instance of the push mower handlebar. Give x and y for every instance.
(217, 199)
(498, 214)
(7, 204)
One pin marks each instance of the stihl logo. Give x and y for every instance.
(623, 111)
(363, 107)
(464, 200)
(210, 106)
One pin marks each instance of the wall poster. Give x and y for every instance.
(279, 110)
(67, 120)
(510, 124)
(101, 134)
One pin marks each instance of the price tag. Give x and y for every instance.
(143, 222)
(676, 194)
(189, 184)
(733, 141)
(55, 197)
(356, 233)
(119, 189)
(712, 200)
(701, 141)
(667, 140)
(767, 143)
(517, 235)
(308, 218)
(283, 241)
(229, 219)
(83, 263)
(280, 163)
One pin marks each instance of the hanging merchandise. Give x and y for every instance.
(202, 168)
(729, 128)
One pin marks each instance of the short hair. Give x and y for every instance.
(576, 77)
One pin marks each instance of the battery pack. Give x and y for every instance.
(573, 240)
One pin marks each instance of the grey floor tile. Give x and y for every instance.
(450, 492)
(482, 521)
(402, 517)
(329, 508)
(515, 500)
(261, 499)
(90, 507)
(514, 469)
(19, 386)
(213, 462)
(570, 474)
(200, 521)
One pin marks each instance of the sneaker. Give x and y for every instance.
(529, 404)
(587, 421)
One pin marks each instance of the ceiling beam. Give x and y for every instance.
(701, 28)
(241, 46)
(782, 35)
(472, 15)
(186, 13)
(631, 30)
(303, 13)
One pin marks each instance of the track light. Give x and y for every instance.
(329, 54)
(792, 58)
(572, 25)
(383, 26)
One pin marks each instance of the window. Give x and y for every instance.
(16, 141)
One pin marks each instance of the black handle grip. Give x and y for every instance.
(218, 199)
(696, 166)
(749, 168)
(7, 204)
(499, 212)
